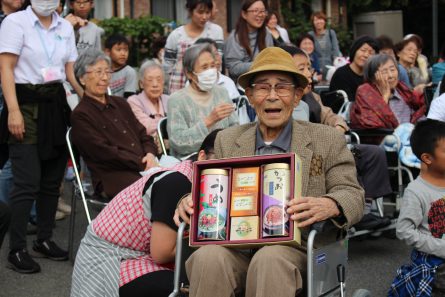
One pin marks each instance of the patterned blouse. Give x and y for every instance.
(116, 247)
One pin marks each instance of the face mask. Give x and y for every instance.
(44, 7)
(207, 79)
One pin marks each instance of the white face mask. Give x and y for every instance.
(207, 79)
(44, 7)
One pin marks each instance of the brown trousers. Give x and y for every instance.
(221, 272)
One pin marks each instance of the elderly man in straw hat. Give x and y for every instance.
(330, 189)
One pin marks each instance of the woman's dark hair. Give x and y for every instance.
(385, 42)
(206, 40)
(416, 39)
(270, 14)
(190, 5)
(158, 44)
(426, 135)
(302, 37)
(242, 32)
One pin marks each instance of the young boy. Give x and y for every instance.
(124, 82)
(421, 223)
(88, 34)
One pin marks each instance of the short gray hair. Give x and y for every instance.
(373, 64)
(192, 54)
(89, 58)
(149, 64)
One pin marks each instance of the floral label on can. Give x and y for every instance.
(212, 218)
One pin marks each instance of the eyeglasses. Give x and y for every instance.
(101, 72)
(262, 90)
(258, 11)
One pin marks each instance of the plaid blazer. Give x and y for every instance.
(328, 167)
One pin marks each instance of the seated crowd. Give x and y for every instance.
(128, 249)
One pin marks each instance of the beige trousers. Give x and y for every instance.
(215, 271)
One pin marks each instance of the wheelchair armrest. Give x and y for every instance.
(372, 132)
(324, 226)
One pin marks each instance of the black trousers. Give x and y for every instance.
(372, 169)
(154, 284)
(33, 180)
(5, 216)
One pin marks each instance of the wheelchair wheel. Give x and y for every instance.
(361, 293)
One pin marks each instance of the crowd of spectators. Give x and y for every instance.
(55, 74)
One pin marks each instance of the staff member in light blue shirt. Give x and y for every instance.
(37, 53)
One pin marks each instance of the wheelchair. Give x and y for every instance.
(326, 265)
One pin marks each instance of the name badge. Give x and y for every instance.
(51, 74)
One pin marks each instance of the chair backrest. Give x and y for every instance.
(336, 100)
(163, 134)
(78, 182)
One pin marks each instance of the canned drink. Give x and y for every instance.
(276, 193)
(212, 217)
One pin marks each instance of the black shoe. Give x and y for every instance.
(49, 249)
(371, 221)
(22, 262)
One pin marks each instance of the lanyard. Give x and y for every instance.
(48, 56)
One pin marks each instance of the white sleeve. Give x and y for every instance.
(11, 36)
(437, 109)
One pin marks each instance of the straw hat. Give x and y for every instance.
(273, 59)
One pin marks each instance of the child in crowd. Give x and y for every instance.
(421, 223)
(88, 34)
(124, 82)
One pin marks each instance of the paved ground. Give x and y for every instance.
(372, 265)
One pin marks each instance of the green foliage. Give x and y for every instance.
(296, 15)
(345, 38)
(141, 32)
(295, 18)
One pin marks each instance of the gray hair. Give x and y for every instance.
(87, 59)
(373, 64)
(192, 54)
(146, 65)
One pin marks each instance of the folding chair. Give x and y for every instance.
(163, 134)
(78, 192)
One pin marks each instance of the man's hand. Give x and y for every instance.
(309, 210)
(184, 210)
(150, 161)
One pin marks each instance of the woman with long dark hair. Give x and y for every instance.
(248, 39)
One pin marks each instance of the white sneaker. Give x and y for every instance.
(63, 206)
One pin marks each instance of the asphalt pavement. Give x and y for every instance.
(372, 264)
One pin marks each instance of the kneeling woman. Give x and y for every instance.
(129, 249)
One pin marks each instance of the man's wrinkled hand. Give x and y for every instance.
(309, 210)
(184, 210)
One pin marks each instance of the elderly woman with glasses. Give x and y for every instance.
(199, 108)
(150, 105)
(114, 145)
(383, 101)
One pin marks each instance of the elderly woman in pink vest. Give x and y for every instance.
(150, 105)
